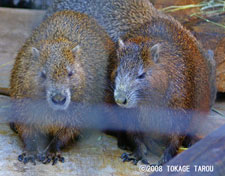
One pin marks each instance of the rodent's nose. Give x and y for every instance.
(59, 99)
(121, 100)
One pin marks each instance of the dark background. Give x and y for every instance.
(27, 4)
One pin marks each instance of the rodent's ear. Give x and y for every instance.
(155, 52)
(35, 52)
(76, 50)
(121, 43)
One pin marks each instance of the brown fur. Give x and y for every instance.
(175, 90)
(55, 40)
(130, 19)
(116, 17)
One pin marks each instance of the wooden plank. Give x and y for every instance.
(16, 26)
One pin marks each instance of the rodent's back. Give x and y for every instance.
(116, 17)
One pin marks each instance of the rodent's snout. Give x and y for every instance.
(124, 97)
(59, 99)
(121, 100)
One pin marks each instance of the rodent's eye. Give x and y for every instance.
(70, 73)
(141, 76)
(43, 74)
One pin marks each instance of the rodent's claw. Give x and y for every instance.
(126, 158)
(61, 159)
(26, 158)
(55, 160)
(20, 157)
(134, 161)
(124, 155)
(47, 160)
(41, 157)
(54, 157)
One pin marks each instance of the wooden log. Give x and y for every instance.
(208, 153)
(212, 123)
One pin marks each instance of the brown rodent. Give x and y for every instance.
(166, 77)
(125, 18)
(58, 73)
(117, 18)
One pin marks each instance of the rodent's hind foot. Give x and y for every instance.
(128, 157)
(54, 158)
(25, 158)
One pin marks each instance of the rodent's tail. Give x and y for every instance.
(4, 91)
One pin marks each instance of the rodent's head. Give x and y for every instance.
(58, 73)
(133, 74)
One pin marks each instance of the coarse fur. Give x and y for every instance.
(58, 73)
(165, 75)
(116, 17)
(135, 21)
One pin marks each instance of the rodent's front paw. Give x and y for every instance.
(131, 157)
(41, 157)
(27, 157)
(54, 157)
